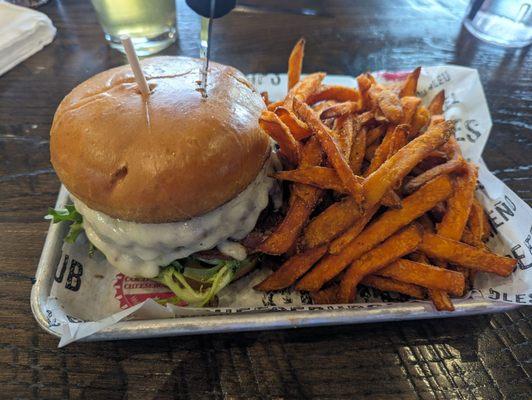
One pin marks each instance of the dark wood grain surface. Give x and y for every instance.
(487, 357)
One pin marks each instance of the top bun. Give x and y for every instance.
(170, 157)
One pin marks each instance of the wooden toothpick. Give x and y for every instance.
(135, 65)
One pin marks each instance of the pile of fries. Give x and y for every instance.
(380, 194)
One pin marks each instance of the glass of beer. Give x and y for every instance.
(151, 24)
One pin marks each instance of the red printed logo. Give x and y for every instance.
(394, 76)
(130, 291)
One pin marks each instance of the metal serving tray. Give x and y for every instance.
(231, 322)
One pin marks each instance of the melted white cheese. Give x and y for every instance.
(140, 249)
(233, 249)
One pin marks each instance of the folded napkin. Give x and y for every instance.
(23, 32)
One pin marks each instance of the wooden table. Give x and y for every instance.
(463, 358)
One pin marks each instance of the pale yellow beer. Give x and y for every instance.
(149, 23)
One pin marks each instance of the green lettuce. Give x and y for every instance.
(177, 276)
(68, 214)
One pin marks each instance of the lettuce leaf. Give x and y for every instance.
(177, 276)
(68, 214)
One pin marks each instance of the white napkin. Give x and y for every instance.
(23, 32)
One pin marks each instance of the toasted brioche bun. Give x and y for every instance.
(170, 157)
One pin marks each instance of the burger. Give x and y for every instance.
(166, 185)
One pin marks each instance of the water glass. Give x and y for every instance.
(506, 23)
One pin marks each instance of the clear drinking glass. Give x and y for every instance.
(151, 24)
(506, 23)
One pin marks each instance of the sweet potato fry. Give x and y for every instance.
(440, 299)
(436, 104)
(265, 97)
(285, 235)
(390, 105)
(410, 105)
(291, 270)
(371, 78)
(298, 128)
(330, 147)
(409, 87)
(486, 227)
(375, 134)
(365, 117)
(425, 275)
(454, 165)
(382, 152)
(383, 227)
(323, 105)
(419, 121)
(334, 220)
(273, 126)
(348, 236)
(333, 92)
(330, 223)
(295, 63)
(392, 285)
(343, 134)
(471, 239)
(436, 119)
(396, 137)
(340, 216)
(321, 177)
(467, 256)
(303, 199)
(399, 139)
(458, 205)
(358, 149)
(337, 217)
(304, 88)
(311, 155)
(478, 221)
(274, 105)
(451, 149)
(391, 249)
(325, 296)
(364, 84)
(341, 109)
(402, 162)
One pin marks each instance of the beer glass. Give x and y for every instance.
(151, 24)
